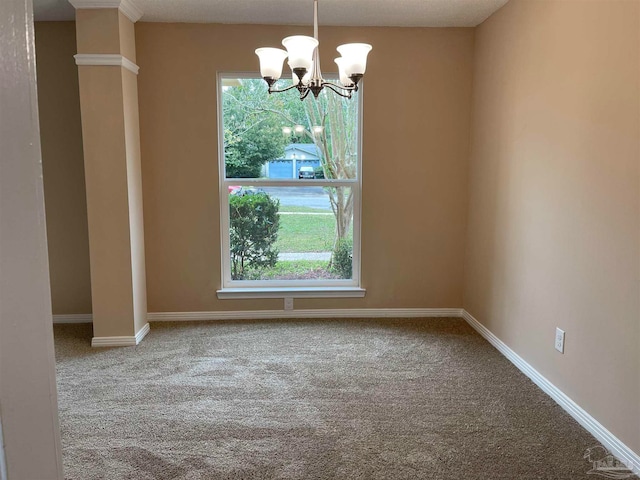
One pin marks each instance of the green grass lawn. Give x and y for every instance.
(306, 233)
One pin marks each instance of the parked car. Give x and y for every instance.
(234, 188)
(306, 172)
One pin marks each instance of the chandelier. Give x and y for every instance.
(304, 61)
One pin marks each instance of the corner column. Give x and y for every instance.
(108, 82)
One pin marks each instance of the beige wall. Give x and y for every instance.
(417, 262)
(98, 30)
(62, 158)
(416, 127)
(554, 196)
(105, 30)
(107, 197)
(30, 435)
(111, 144)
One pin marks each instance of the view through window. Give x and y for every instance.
(289, 177)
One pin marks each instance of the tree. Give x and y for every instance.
(254, 224)
(337, 141)
(250, 138)
(338, 146)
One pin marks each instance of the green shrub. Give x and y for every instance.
(254, 224)
(342, 261)
(318, 172)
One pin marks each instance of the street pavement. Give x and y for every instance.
(312, 197)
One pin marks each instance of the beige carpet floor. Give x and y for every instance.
(315, 399)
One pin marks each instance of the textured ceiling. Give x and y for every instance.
(404, 13)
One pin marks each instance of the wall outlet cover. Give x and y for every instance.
(288, 303)
(559, 344)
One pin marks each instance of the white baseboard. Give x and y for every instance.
(73, 318)
(142, 333)
(271, 314)
(608, 439)
(122, 341)
(310, 313)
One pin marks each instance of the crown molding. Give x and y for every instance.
(109, 59)
(127, 7)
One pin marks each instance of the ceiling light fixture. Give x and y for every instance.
(304, 61)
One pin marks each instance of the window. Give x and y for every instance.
(289, 191)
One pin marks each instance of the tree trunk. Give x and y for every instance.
(336, 144)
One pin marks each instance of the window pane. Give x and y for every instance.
(291, 233)
(279, 137)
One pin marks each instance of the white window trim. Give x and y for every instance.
(292, 292)
(284, 288)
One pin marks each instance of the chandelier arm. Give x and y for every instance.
(273, 90)
(330, 86)
(341, 87)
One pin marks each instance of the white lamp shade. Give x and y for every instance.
(300, 49)
(344, 80)
(271, 60)
(305, 79)
(354, 57)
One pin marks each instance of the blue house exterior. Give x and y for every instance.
(296, 155)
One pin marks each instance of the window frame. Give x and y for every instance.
(285, 288)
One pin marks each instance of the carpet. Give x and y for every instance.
(308, 399)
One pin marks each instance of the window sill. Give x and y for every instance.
(292, 292)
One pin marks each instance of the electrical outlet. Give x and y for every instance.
(288, 303)
(560, 340)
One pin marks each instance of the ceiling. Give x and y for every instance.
(401, 13)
